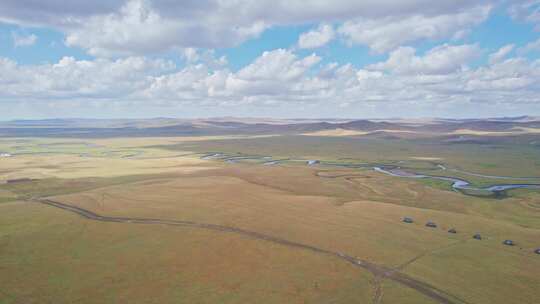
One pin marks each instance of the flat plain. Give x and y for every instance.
(241, 218)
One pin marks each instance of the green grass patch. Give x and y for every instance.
(487, 165)
(7, 199)
(438, 184)
(58, 186)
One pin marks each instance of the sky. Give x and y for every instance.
(262, 58)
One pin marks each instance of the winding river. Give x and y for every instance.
(458, 184)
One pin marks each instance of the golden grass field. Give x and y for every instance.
(49, 255)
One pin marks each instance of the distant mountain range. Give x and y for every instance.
(252, 126)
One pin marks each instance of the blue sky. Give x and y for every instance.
(144, 58)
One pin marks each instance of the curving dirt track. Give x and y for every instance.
(378, 271)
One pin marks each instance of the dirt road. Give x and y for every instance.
(378, 271)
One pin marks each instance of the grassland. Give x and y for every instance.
(65, 259)
(52, 255)
(497, 158)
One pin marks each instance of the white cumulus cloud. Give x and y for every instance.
(23, 40)
(386, 34)
(437, 80)
(501, 53)
(533, 46)
(442, 59)
(316, 38)
(138, 27)
(526, 10)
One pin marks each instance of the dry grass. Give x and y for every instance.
(49, 255)
(66, 259)
(368, 229)
(529, 130)
(151, 141)
(428, 158)
(336, 132)
(73, 166)
(514, 131)
(344, 132)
